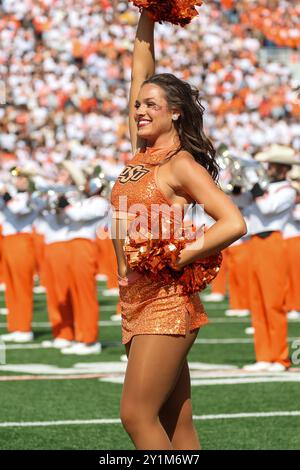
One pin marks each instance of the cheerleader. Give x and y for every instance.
(173, 165)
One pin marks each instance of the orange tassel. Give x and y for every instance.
(179, 12)
(154, 258)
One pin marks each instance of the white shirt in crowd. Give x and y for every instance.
(17, 216)
(86, 216)
(292, 227)
(53, 226)
(272, 210)
(242, 201)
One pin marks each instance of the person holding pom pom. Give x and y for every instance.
(173, 166)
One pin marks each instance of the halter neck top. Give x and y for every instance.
(138, 180)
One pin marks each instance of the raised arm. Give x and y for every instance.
(143, 66)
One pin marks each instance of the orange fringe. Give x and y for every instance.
(179, 12)
(154, 258)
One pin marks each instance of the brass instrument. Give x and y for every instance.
(242, 172)
(99, 183)
(47, 197)
(17, 171)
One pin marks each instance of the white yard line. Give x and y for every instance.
(36, 324)
(269, 414)
(10, 346)
(240, 381)
(44, 324)
(225, 381)
(77, 422)
(202, 374)
(231, 340)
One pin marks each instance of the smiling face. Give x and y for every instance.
(152, 115)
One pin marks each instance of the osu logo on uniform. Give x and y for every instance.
(132, 173)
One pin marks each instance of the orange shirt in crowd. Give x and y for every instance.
(281, 29)
(227, 4)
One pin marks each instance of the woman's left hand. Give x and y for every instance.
(178, 264)
(185, 257)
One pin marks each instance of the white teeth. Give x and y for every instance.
(143, 123)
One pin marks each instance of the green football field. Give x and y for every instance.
(51, 401)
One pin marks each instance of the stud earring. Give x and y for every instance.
(175, 117)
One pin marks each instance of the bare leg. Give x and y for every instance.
(155, 364)
(176, 414)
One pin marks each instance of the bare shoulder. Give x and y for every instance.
(185, 168)
(182, 156)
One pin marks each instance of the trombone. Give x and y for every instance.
(17, 171)
(235, 171)
(47, 197)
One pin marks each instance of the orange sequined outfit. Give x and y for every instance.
(151, 307)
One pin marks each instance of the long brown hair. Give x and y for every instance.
(182, 96)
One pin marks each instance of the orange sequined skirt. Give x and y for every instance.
(157, 308)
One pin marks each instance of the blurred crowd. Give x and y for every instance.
(278, 20)
(65, 68)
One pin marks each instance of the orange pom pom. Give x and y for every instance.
(179, 12)
(154, 258)
(198, 275)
